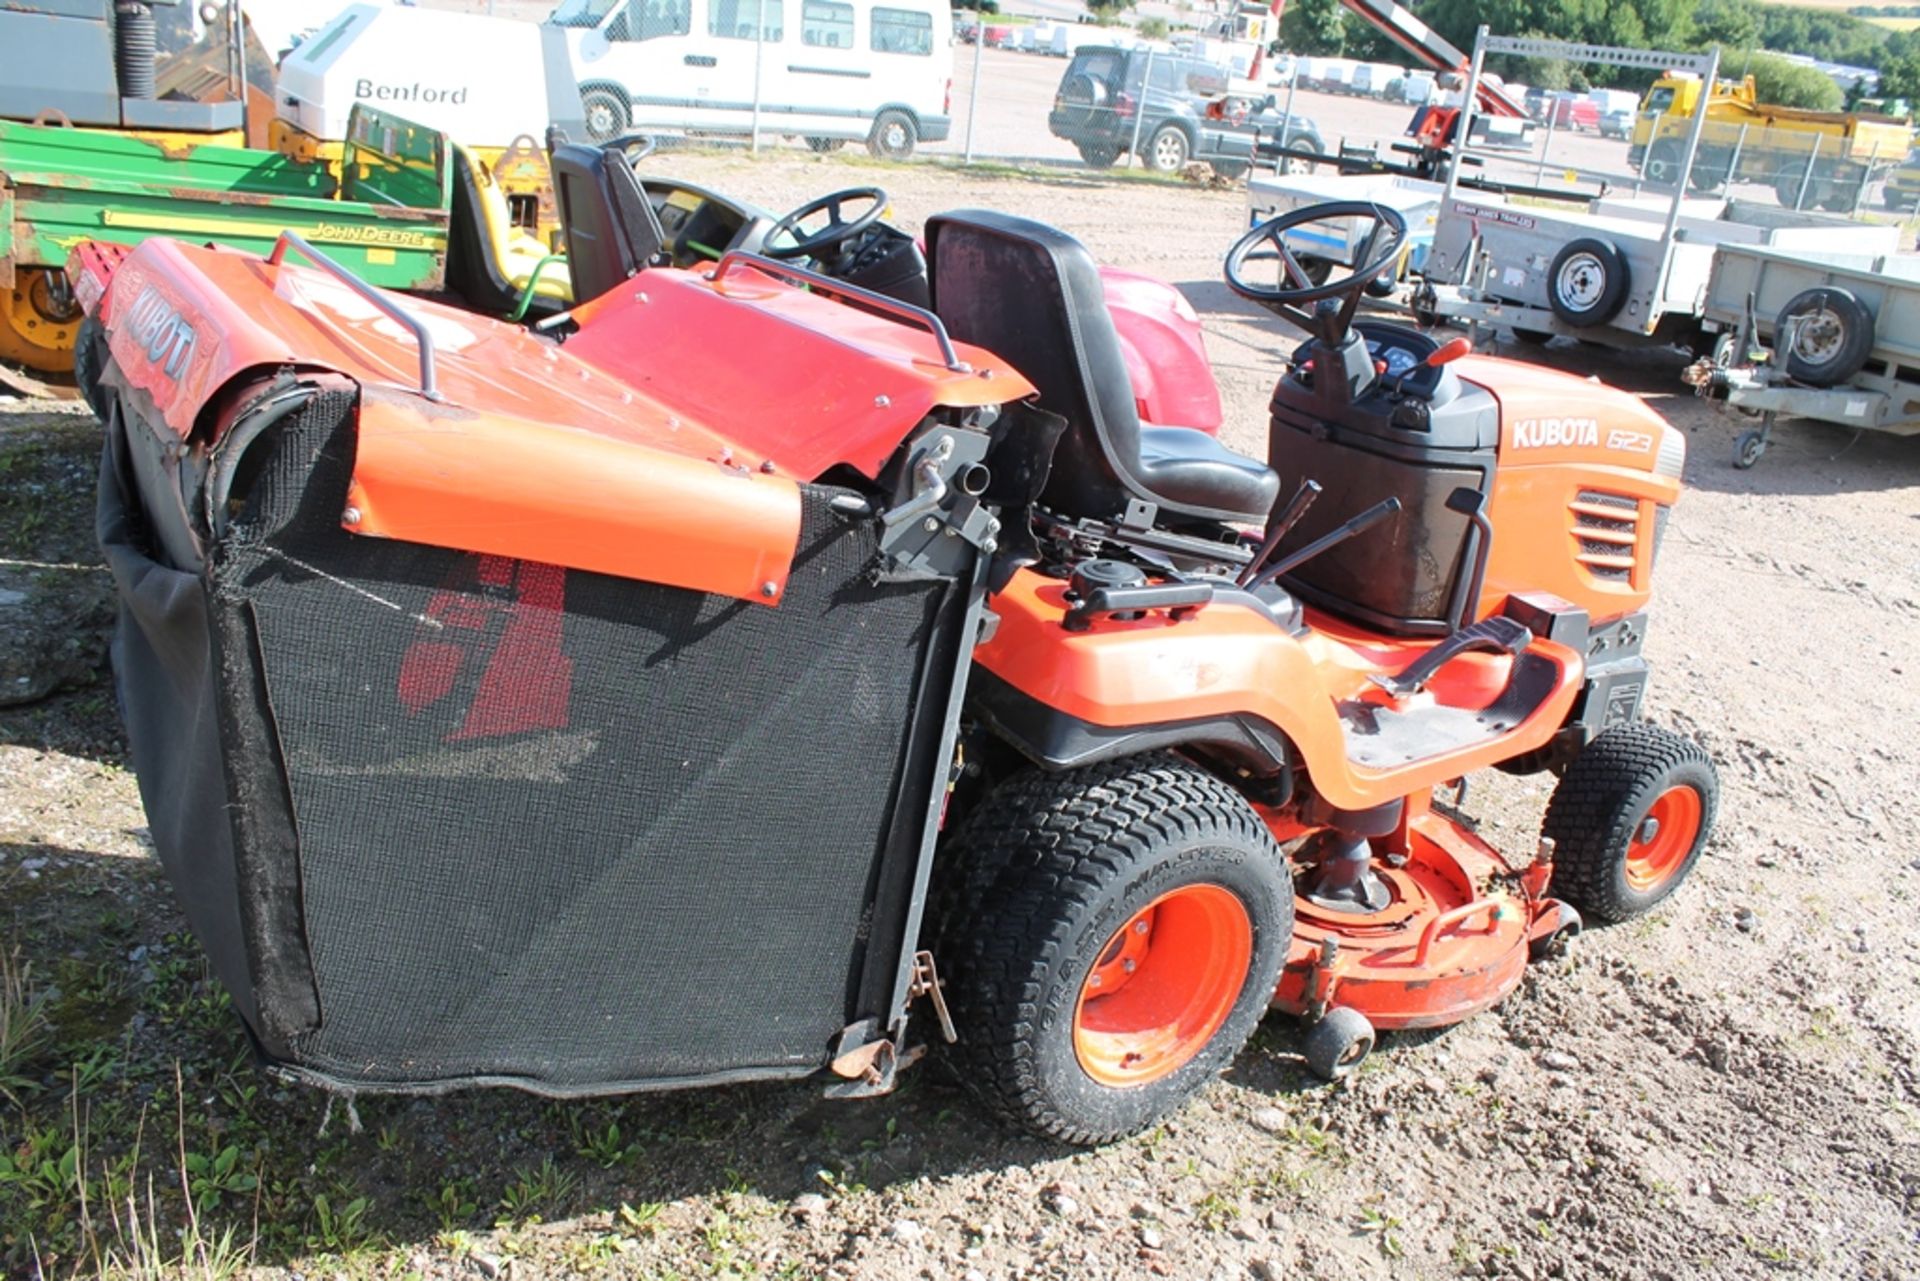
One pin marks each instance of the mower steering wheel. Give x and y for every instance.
(838, 229)
(1266, 242)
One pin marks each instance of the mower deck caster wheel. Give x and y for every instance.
(1747, 449)
(1553, 945)
(1338, 1043)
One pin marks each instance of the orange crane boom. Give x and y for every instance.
(1428, 46)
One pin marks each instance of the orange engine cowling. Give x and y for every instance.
(1586, 477)
(1577, 479)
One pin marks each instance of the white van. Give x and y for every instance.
(830, 71)
(482, 81)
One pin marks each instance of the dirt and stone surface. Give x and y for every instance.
(1727, 1087)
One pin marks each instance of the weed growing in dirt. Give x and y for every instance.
(23, 1025)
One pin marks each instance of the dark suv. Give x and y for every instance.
(1101, 108)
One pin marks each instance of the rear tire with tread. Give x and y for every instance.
(1600, 809)
(1033, 888)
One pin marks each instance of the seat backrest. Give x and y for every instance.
(1031, 294)
(610, 227)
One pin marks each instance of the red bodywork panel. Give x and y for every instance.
(1173, 385)
(826, 383)
(1228, 659)
(665, 466)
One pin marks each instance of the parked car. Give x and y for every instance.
(1570, 112)
(1616, 124)
(1102, 106)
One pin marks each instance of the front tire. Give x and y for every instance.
(605, 113)
(1629, 819)
(1663, 163)
(1119, 934)
(894, 135)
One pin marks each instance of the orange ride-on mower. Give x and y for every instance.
(681, 692)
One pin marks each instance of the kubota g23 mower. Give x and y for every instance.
(601, 708)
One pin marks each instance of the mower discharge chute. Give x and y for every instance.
(676, 693)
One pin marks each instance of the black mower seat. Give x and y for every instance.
(1031, 294)
(611, 229)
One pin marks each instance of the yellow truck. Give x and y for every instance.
(1809, 158)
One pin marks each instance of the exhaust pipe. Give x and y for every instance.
(134, 44)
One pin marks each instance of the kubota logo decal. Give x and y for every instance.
(489, 651)
(1547, 433)
(158, 329)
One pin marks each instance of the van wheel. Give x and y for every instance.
(825, 145)
(606, 114)
(893, 136)
(1121, 930)
(1167, 150)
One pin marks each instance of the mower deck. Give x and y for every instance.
(1453, 941)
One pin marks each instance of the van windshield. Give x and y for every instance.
(582, 13)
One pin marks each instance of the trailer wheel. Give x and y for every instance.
(824, 146)
(1130, 941)
(605, 112)
(1629, 819)
(1532, 337)
(1832, 339)
(1747, 449)
(1098, 155)
(1587, 282)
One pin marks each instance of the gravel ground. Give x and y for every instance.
(1725, 1088)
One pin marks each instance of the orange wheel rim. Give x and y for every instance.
(1663, 839)
(1162, 986)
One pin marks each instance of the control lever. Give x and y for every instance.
(1280, 527)
(1498, 635)
(1445, 354)
(1327, 542)
(1472, 504)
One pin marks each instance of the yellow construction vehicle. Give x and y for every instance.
(1824, 158)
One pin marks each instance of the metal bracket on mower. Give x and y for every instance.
(942, 513)
(871, 1063)
(926, 982)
